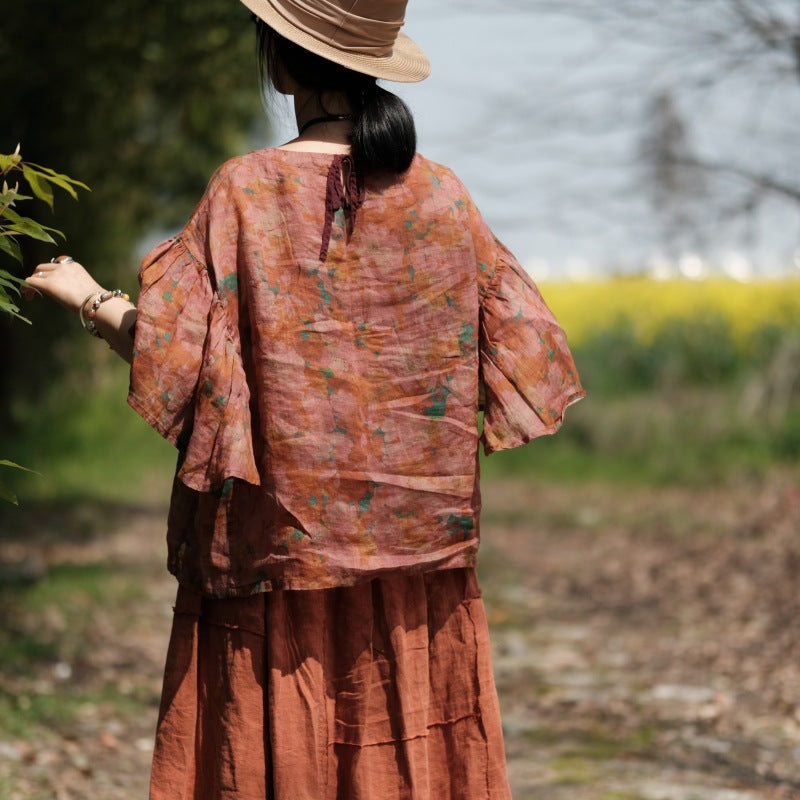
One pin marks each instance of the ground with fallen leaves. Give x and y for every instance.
(646, 642)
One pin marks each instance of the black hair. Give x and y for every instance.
(384, 138)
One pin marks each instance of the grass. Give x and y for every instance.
(571, 771)
(8, 787)
(35, 715)
(67, 597)
(99, 450)
(76, 588)
(681, 436)
(664, 408)
(586, 756)
(621, 796)
(87, 444)
(61, 618)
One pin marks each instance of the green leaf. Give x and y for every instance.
(9, 285)
(10, 246)
(64, 181)
(6, 304)
(6, 463)
(7, 198)
(29, 227)
(9, 307)
(9, 277)
(41, 188)
(64, 185)
(8, 162)
(51, 173)
(7, 495)
(15, 217)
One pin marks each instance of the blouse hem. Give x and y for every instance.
(334, 580)
(141, 409)
(509, 443)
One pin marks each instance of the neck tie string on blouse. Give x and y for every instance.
(344, 190)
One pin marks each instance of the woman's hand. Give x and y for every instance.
(64, 280)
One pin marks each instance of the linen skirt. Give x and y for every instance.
(379, 691)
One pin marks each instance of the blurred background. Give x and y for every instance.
(641, 159)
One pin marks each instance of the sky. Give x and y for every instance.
(541, 115)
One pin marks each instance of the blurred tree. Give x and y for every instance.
(730, 71)
(675, 187)
(143, 101)
(709, 45)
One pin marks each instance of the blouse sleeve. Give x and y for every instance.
(187, 376)
(528, 375)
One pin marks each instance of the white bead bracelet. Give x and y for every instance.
(87, 320)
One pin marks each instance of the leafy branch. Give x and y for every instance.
(13, 225)
(5, 492)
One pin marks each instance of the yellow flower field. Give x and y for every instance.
(586, 308)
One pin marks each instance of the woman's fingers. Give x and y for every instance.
(55, 263)
(65, 280)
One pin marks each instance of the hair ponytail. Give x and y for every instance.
(384, 138)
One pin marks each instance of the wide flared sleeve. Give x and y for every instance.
(187, 376)
(528, 375)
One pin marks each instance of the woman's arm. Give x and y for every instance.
(71, 285)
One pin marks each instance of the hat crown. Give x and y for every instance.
(362, 35)
(368, 27)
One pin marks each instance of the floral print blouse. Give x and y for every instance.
(318, 350)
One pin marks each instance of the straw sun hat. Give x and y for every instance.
(363, 35)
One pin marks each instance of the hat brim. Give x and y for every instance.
(406, 64)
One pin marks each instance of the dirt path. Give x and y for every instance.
(647, 645)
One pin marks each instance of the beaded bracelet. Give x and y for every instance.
(87, 321)
(88, 324)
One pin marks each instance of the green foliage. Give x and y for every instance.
(613, 360)
(702, 351)
(698, 353)
(148, 105)
(686, 430)
(141, 100)
(670, 432)
(680, 437)
(53, 619)
(6, 493)
(677, 408)
(93, 446)
(786, 439)
(13, 226)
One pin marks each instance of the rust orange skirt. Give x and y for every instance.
(379, 691)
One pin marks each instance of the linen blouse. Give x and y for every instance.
(319, 355)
